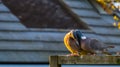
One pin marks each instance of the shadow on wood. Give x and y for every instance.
(57, 61)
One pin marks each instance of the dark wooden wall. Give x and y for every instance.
(43, 14)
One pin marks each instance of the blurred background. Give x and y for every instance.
(33, 30)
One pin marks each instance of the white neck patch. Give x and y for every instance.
(83, 37)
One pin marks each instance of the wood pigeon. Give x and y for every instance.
(79, 44)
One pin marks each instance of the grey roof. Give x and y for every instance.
(21, 44)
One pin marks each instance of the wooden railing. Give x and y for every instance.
(57, 61)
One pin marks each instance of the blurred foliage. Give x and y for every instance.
(112, 7)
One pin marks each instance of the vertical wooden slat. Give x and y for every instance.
(53, 61)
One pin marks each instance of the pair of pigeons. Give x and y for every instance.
(78, 44)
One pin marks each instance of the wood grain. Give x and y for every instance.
(85, 60)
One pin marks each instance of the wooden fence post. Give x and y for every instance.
(53, 61)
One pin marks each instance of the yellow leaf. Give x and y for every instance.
(113, 7)
(119, 27)
(114, 24)
(119, 24)
(116, 18)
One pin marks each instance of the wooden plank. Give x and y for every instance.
(98, 7)
(27, 56)
(8, 17)
(89, 60)
(78, 4)
(86, 13)
(32, 35)
(43, 30)
(31, 46)
(112, 39)
(104, 30)
(3, 8)
(7, 21)
(108, 18)
(11, 25)
(13, 29)
(96, 22)
(37, 46)
(48, 36)
(35, 36)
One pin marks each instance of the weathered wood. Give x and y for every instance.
(53, 61)
(108, 18)
(84, 60)
(86, 13)
(78, 4)
(89, 60)
(8, 17)
(42, 17)
(11, 25)
(75, 16)
(43, 30)
(105, 30)
(31, 45)
(39, 45)
(96, 22)
(38, 36)
(3, 8)
(98, 7)
(49, 36)
(34, 36)
(27, 56)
